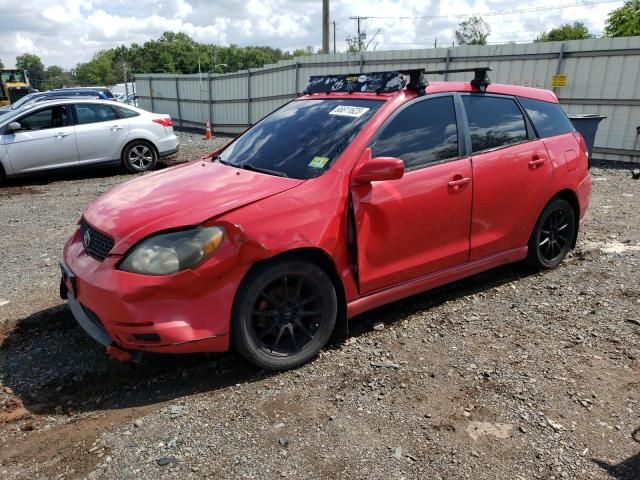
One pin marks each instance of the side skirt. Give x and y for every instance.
(433, 280)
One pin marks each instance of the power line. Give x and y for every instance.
(494, 14)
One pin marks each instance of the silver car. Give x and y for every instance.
(74, 132)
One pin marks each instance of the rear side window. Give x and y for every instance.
(423, 133)
(493, 122)
(126, 113)
(94, 113)
(548, 118)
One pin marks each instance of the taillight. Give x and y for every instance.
(165, 122)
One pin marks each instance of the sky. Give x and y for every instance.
(67, 32)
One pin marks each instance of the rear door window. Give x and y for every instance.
(493, 122)
(548, 118)
(423, 133)
(94, 113)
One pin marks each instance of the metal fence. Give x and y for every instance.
(602, 76)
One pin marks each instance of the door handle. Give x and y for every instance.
(116, 127)
(62, 134)
(459, 183)
(535, 162)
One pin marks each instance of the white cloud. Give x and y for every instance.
(70, 31)
(24, 44)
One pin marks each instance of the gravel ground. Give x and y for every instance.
(510, 374)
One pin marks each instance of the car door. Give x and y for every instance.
(46, 140)
(100, 132)
(420, 223)
(511, 174)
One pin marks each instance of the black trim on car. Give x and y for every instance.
(168, 152)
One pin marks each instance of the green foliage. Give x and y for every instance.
(175, 53)
(33, 65)
(473, 31)
(568, 31)
(624, 21)
(171, 53)
(1, 64)
(56, 77)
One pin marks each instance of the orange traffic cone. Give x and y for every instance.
(207, 132)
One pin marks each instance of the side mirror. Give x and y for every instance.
(14, 126)
(377, 169)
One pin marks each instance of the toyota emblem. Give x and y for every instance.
(86, 239)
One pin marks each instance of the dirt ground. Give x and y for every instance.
(511, 374)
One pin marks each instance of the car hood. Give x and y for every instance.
(181, 196)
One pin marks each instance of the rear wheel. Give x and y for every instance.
(284, 314)
(553, 234)
(139, 156)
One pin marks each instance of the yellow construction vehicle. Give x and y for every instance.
(14, 84)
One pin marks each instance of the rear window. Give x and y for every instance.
(548, 118)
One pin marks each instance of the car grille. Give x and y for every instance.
(95, 243)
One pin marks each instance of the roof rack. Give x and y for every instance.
(387, 82)
(480, 80)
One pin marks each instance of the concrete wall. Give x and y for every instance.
(603, 77)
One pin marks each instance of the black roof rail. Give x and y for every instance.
(480, 80)
(417, 82)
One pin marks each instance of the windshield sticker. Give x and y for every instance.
(319, 162)
(349, 111)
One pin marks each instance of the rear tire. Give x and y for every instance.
(552, 236)
(283, 314)
(139, 156)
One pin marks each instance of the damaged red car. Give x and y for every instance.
(367, 189)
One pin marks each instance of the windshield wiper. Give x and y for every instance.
(253, 168)
(224, 162)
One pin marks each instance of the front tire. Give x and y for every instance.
(139, 156)
(284, 314)
(552, 236)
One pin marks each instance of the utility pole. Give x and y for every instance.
(360, 35)
(325, 26)
(334, 36)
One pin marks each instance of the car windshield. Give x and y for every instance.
(302, 139)
(6, 115)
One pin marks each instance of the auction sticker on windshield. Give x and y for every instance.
(349, 111)
(318, 162)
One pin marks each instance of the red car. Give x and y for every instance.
(367, 189)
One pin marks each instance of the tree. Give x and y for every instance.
(568, 31)
(473, 31)
(624, 21)
(56, 77)
(33, 65)
(1, 64)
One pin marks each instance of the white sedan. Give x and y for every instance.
(73, 132)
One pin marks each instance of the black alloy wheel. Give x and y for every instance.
(553, 235)
(284, 314)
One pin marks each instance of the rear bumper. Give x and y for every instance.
(181, 313)
(167, 145)
(584, 196)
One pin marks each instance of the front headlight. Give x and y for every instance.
(169, 253)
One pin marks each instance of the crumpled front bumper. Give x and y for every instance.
(181, 313)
